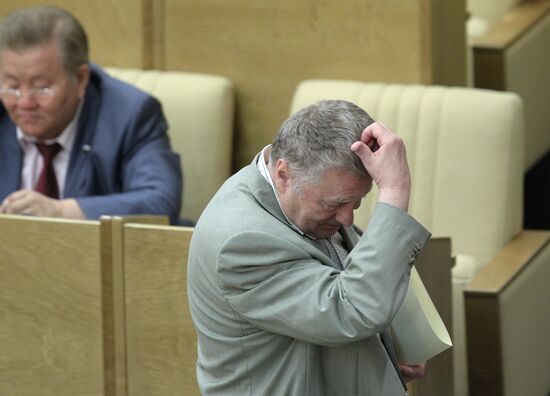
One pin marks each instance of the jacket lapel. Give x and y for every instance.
(11, 157)
(263, 193)
(81, 179)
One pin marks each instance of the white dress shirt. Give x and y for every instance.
(32, 159)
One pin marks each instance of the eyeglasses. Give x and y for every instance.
(13, 94)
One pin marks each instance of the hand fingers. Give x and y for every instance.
(7, 204)
(362, 150)
(368, 143)
(412, 372)
(375, 132)
(20, 202)
(373, 145)
(17, 204)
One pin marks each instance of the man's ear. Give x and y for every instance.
(281, 176)
(82, 78)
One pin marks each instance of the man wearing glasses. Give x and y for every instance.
(75, 142)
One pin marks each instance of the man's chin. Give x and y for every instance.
(327, 231)
(33, 129)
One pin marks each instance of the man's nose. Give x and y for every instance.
(344, 215)
(26, 101)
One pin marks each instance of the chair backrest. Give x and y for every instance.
(465, 152)
(199, 109)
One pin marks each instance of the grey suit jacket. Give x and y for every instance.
(276, 316)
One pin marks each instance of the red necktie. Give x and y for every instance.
(47, 182)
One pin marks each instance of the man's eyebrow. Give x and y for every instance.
(7, 76)
(336, 201)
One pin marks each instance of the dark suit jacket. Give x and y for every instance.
(276, 316)
(121, 162)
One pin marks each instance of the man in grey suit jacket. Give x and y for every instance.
(286, 297)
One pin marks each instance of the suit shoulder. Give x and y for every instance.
(112, 89)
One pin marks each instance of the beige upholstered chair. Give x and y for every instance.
(465, 150)
(199, 110)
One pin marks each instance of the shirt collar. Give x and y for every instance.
(263, 168)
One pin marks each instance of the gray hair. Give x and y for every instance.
(318, 138)
(35, 26)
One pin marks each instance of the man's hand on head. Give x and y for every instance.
(33, 203)
(383, 155)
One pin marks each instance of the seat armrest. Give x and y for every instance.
(517, 22)
(507, 322)
(509, 262)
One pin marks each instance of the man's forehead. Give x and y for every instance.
(342, 187)
(345, 196)
(37, 60)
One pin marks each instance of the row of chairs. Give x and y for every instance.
(465, 147)
(465, 151)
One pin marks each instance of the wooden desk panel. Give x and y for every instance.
(160, 338)
(434, 266)
(50, 307)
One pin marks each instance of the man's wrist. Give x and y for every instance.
(395, 197)
(70, 209)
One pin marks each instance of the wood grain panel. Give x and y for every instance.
(266, 48)
(509, 263)
(118, 31)
(483, 328)
(161, 339)
(489, 69)
(434, 267)
(490, 49)
(50, 308)
(505, 307)
(114, 299)
(513, 25)
(513, 56)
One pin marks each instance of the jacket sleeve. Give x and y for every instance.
(143, 176)
(278, 286)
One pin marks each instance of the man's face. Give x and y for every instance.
(41, 116)
(320, 209)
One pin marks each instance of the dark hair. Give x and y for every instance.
(34, 26)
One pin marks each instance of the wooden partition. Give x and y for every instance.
(267, 48)
(434, 266)
(114, 305)
(507, 320)
(120, 32)
(51, 308)
(62, 306)
(513, 56)
(161, 342)
(100, 308)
